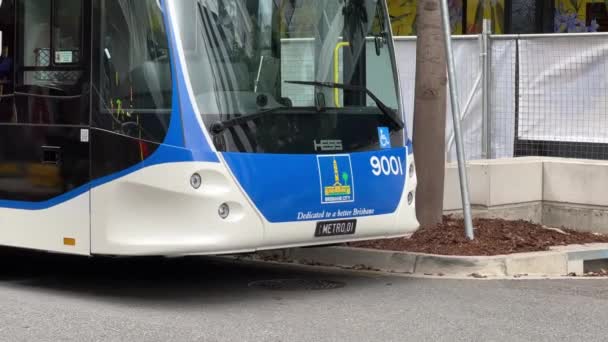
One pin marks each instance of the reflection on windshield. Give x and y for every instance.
(239, 55)
(246, 48)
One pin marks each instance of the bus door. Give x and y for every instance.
(44, 107)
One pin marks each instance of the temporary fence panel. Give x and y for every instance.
(548, 95)
(563, 96)
(466, 53)
(502, 106)
(405, 50)
(298, 63)
(468, 71)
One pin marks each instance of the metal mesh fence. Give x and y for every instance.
(563, 96)
(297, 63)
(502, 98)
(547, 95)
(466, 53)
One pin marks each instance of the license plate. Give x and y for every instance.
(336, 228)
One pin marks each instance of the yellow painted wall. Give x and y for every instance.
(403, 14)
(477, 10)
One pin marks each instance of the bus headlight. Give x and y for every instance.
(410, 198)
(196, 181)
(412, 170)
(224, 211)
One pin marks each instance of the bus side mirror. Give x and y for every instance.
(379, 42)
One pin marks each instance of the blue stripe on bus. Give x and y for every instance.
(194, 137)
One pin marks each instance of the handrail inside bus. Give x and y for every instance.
(51, 97)
(339, 46)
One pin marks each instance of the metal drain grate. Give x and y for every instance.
(297, 284)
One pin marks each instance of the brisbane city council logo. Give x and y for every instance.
(337, 183)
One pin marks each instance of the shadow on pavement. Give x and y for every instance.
(182, 281)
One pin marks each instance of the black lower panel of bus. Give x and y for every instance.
(38, 163)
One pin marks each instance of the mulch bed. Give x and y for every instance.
(492, 237)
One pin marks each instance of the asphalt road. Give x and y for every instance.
(53, 298)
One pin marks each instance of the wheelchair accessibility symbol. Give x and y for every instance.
(384, 137)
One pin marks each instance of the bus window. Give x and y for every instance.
(36, 33)
(52, 38)
(67, 32)
(261, 73)
(135, 87)
(7, 108)
(51, 76)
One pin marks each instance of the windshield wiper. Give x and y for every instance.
(221, 126)
(397, 121)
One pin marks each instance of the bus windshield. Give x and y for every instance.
(292, 76)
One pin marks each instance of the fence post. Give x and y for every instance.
(462, 166)
(486, 131)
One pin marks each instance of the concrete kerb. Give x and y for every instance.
(556, 192)
(559, 261)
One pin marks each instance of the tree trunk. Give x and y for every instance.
(430, 113)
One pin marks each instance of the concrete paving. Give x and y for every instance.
(56, 298)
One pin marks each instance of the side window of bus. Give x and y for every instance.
(7, 33)
(51, 62)
(134, 80)
(52, 42)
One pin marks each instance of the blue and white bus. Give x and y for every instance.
(180, 127)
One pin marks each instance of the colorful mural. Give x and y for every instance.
(403, 16)
(467, 16)
(567, 16)
(573, 16)
(477, 10)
